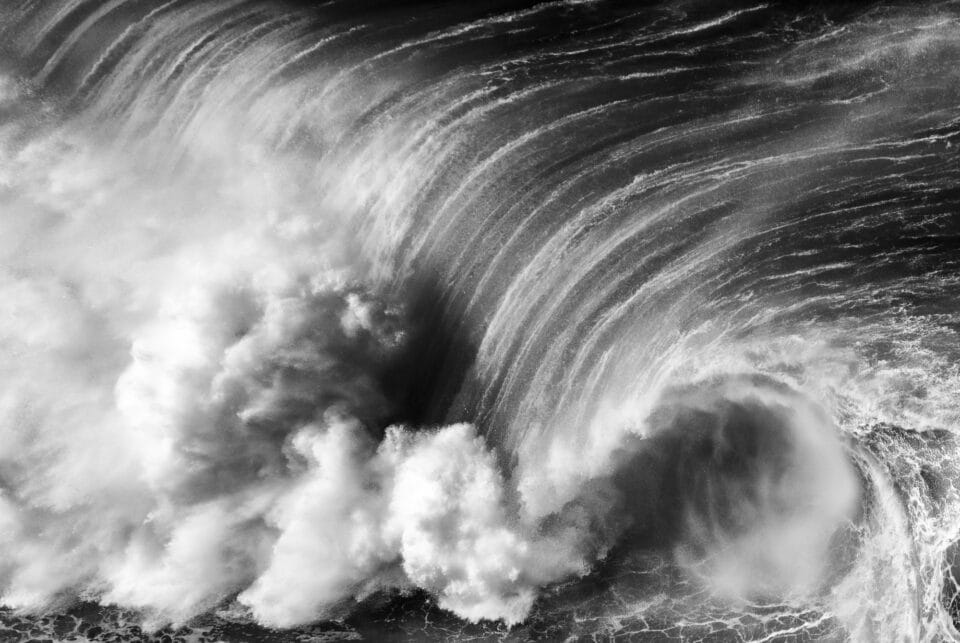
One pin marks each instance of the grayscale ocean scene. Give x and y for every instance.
(572, 320)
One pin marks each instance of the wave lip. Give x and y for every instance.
(746, 481)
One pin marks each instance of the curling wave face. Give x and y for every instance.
(572, 317)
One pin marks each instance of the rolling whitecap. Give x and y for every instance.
(530, 320)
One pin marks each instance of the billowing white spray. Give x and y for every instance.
(190, 394)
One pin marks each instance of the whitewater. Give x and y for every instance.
(504, 321)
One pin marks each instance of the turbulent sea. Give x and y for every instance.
(390, 320)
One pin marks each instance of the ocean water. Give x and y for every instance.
(518, 321)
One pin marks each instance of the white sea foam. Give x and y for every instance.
(192, 387)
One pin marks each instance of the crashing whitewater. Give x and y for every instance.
(650, 328)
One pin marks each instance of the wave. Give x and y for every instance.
(573, 318)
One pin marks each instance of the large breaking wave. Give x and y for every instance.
(573, 317)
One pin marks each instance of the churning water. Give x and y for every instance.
(393, 319)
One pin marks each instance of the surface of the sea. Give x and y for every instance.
(569, 320)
